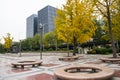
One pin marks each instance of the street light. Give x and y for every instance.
(41, 30)
(20, 48)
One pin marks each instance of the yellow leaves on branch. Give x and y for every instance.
(74, 21)
(8, 41)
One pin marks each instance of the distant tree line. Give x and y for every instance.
(83, 23)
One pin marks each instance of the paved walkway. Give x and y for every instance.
(50, 63)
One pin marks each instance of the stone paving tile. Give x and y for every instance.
(8, 70)
(18, 75)
(42, 76)
(50, 63)
(93, 63)
(116, 78)
(117, 73)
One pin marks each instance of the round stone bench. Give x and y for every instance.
(26, 63)
(110, 59)
(69, 58)
(84, 72)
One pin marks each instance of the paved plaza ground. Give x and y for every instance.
(50, 63)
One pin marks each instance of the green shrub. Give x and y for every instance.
(64, 49)
(100, 51)
(2, 49)
(50, 49)
(107, 46)
(91, 52)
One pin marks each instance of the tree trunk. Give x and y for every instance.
(74, 46)
(117, 45)
(56, 44)
(110, 32)
(68, 48)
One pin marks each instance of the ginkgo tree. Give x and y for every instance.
(1, 46)
(74, 22)
(107, 9)
(0, 41)
(116, 21)
(49, 39)
(7, 41)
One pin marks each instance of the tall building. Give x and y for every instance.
(46, 18)
(32, 23)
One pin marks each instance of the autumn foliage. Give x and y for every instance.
(74, 22)
(8, 41)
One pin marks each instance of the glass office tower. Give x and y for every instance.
(32, 24)
(46, 18)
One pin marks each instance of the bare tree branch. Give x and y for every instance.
(101, 11)
(112, 2)
(101, 3)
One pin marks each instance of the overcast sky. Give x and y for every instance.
(13, 14)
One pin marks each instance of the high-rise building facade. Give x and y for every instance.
(46, 18)
(32, 23)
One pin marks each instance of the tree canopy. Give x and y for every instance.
(116, 21)
(8, 41)
(49, 39)
(74, 22)
(107, 8)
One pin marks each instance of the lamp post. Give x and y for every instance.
(41, 29)
(20, 49)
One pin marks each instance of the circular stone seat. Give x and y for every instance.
(26, 62)
(110, 59)
(84, 72)
(68, 58)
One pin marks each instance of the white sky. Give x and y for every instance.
(13, 14)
